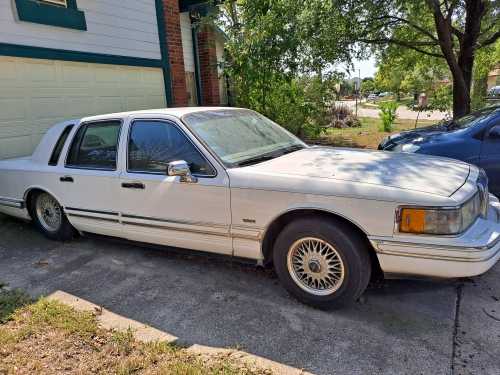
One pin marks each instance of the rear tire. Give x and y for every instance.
(49, 217)
(323, 263)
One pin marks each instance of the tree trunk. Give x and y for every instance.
(461, 97)
(461, 65)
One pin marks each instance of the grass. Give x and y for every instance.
(50, 337)
(10, 300)
(368, 135)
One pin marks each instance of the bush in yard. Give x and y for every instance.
(388, 115)
(343, 117)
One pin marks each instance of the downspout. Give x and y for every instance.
(196, 55)
(165, 60)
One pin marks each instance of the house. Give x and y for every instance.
(62, 59)
(494, 77)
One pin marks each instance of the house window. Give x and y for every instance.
(60, 13)
(63, 3)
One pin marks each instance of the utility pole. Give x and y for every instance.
(358, 90)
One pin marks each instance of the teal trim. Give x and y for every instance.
(59, 54)
(165, 61)
(51, 14)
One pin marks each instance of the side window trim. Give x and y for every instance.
(55, 156)
(172, 123)
(85, 125)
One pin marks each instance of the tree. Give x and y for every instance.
(413, 72)
(453, 30)
(367, 86)
(486, 60)
(270, 65)
(390, 75)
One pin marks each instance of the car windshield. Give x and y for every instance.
(471, 119)
(241, 137)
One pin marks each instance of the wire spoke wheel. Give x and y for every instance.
(315, 266)
(49, 212)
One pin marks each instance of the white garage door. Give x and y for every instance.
(35, 94)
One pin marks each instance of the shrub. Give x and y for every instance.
(388, 115)
(343, 117)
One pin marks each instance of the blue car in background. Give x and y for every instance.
(474, 138)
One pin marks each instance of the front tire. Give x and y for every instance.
(323, 263)
(49, 217)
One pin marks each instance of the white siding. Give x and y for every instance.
(187, 42)
(116, 27)
(35, 94)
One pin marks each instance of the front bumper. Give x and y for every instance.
(473, 253)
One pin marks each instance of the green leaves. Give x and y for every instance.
(388, 115)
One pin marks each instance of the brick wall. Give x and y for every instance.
(208, 66)
(174, 43)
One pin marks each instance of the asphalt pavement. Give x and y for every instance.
(399, 326)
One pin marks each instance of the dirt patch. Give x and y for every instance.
(50, 337)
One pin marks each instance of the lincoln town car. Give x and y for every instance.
(231, 181)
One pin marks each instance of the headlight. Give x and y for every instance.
(409, 147)
(443, 221)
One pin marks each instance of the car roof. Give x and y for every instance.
(175, 112)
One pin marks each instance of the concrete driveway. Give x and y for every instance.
(400, 327)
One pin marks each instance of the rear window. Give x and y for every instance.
(56, 153)
(95, 146)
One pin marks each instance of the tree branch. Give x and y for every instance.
(492, 39)
(411, 45)
(457, 33)
(408, 22)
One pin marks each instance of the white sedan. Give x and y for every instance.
(231, 181)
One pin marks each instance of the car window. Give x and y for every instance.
(154, 144)
(239, 136)
(56, 153)
(473, 118)
(95, 146)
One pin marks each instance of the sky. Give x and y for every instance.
(367, 68)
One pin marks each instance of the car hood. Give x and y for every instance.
(429, 134)
(427, 174)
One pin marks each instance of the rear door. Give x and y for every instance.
(490, 155)
(90, 177)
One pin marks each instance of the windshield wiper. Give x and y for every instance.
(256, 160)
(274, 155)
(450, 125)
(291, 149)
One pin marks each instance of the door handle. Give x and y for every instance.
(133, 185)
(66, 179)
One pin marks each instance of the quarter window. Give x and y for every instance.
(54, 158)
(95, 146)
(154, 144)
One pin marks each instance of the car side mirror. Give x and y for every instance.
(181, 168)
(494, 132)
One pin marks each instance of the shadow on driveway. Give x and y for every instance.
(400, 327)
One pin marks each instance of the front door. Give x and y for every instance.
(90, 177)
(162, 209)
(490, 156)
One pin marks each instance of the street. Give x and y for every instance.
(403, 112)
